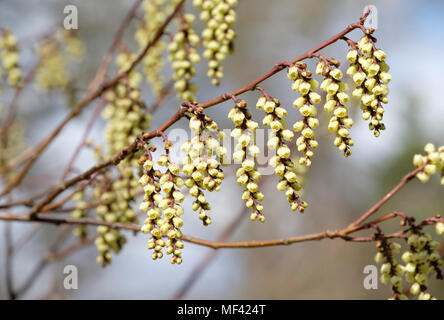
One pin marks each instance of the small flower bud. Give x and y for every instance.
(269, 106)
(439, 228)
(379, 257)
(314, 97)
(261, 102)
(298, 126)
(352, 56)
(415, 289)
(287, 134)
(283, 152)
(336, 73)
(299, 102)
(380, 55)
(330, 105)
(248, 164)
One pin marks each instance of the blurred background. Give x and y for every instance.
(338, 190)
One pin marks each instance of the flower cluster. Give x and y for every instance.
(369, 72)
(336, 101)
(203, 160)
(434, 163)
(163, 212)
(54, 54)
(79, 212)
(278, 140)
(218, 36)
(391, 270)
(51, 72)
(422, 260)
(125, 112)
(184, 57)
(113, 199)
(9, 58)
(73, 45)
(15, 135)
(301, 171)
(126, 119)
(305, 103)
(154, 15)
(114, 196)
(246, 152)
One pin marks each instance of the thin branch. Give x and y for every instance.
(279, 67)
(61, 236)
(18, 160)
(343, 233)
(26, 237)
(55, 206)
(66, 220)
(84, 138)
(409, 176)
(68, 251)
(163, 96)
(28, 202)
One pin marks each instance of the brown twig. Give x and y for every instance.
(279, 67)
(61, 237)
(18, 160)
(163, 96)
(106, 60)
(27, 236)
(68, 251)
(28, 201)
(342, 233)
(9, 119)
(84, 138)
(409, 176)
(42, 207)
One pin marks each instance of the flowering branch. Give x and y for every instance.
(176, 117)
(342, 233)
